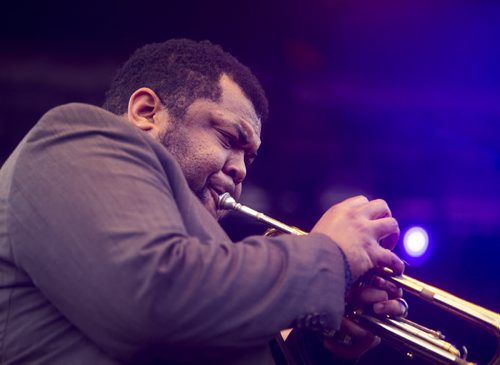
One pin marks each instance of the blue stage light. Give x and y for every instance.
(416, 241)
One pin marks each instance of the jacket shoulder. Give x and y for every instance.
(74, 112)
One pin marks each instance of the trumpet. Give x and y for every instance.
(403, 334)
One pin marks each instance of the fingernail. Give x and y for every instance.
(378, 308)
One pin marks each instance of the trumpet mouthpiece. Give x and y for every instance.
(226, 201)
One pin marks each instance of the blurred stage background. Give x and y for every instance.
(390, 99)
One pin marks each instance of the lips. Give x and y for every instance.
(215, 196)
(214, 207)
(217, 185)
(219, 190)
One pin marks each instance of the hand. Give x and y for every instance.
(365, 231)
(350, 341)
(376, 293)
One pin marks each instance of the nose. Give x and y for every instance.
(235, 167)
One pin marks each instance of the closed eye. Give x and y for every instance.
(227, 140)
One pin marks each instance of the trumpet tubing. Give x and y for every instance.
(403, 334)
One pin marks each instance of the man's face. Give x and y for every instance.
(215, 143)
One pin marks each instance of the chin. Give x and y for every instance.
(210, 201)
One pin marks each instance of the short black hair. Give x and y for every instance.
(181, 71)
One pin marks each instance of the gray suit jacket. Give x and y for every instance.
(107, 257)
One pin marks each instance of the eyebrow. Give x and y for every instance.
(244, 140)
(242, 133)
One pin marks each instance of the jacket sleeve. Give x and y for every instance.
(107, 228)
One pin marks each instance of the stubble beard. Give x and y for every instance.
(178, 144)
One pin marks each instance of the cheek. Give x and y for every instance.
(213, 158)
(207, 162)
(203, 156)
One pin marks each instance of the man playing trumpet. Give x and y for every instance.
(109, 243)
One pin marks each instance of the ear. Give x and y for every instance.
(146, 111)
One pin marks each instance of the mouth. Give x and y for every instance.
(214, 208)
(215, 197)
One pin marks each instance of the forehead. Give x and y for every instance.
(233, 111)
(233, 101)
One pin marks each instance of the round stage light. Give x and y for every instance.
(416, 241)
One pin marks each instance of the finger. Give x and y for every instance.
(361, 337)
(375, 209)
(393, 308)
(376, 342)
(361, 341)
(370, 295)
(385, 258)
(353, 329)
(386, 231)
(390, 241)
(393, 291)
(372, 289)
(355, 201)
